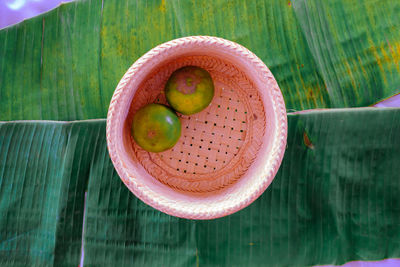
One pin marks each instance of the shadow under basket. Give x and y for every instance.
(227, 154)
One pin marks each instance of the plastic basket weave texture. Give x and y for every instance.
(227, 155)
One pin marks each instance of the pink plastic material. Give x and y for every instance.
(228, 153)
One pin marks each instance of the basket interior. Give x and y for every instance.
(217, 145)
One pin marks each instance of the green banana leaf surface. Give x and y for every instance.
(65, 64)
(335, 199)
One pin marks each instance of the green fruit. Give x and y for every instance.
(189, 90)
(156, 128)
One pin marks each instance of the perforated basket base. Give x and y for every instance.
(218, 144)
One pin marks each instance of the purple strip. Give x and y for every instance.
(391, 102)
(384, 263)
(14, 11)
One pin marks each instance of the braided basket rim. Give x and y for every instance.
(194, 211)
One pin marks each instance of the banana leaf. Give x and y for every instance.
(44, 170)
(335, 199)
(65, 64)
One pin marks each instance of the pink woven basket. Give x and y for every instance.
(228, 153)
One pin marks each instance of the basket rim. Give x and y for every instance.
(278, 146)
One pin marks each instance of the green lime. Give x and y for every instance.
(189, 90)
(156, 128)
